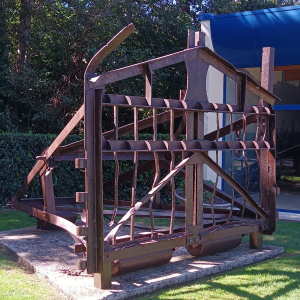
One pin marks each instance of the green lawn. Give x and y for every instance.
(15, 282)
(15, 219)
(274, 279)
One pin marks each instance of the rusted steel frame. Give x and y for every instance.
(147, 197)
(163, 214)
(135, 172)
(203, 53)
(180, 128)
(226, 197)
(144, 146)
(188, 104)
(149, 246)
(246, 162)
(47, 187)
(116, 123)
(206, 159)
(69, 157)
(240, 94)
(108, 48)
(172, 164)
(141, 68)
(116, 190)
(232, 224)
(209, 187)
(167, 207)
(148, 122)
(168, 242)
(49, 151)
(196, 90)
(237, 125)
(129, 174)
(232, 164)
(102, 276)
(93, 147)
(53, 219)
(267, 157)
(155, 183)
(256, 138)
(156, 198)
(144, 237)
(124, 241)
(189, 175)
(223, 232)
(216, 183)
(143, 124)
(267, 70)
(40, 201)
(89, 145)
(57, 208)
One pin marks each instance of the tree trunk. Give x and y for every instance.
(24, 34)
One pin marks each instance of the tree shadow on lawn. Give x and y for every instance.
(277, 278)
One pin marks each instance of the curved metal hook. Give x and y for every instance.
(108, 48)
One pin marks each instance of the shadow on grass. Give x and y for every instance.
(277, 278)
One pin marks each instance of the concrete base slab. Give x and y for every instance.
(51, 255)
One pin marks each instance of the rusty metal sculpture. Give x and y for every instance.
(206, 230)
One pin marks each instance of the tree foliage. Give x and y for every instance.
(45, 46)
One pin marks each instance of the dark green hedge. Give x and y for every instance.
(17, 157)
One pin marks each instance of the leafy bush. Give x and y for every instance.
(17, 157)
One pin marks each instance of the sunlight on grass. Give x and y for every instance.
(290, 178)
(16, 284)
(15, 219)
(275, 279)
(285, 236)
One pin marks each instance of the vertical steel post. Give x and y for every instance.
(196, 90)
(267, 157)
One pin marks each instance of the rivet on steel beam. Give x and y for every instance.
(80, 163)
(81, 230)
(81, 197)
(195, 239)
(81, 264)
(190, 240)
(79, 248)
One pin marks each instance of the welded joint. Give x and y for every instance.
(81, 264)
(81, 197)
(81, 230)
(79, 248)
(80, 163)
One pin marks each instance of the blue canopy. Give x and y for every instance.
(240, 37)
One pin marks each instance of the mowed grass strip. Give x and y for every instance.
(274, 279)
(277, 278)
(17, 284)
(11, 219)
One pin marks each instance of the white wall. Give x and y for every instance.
(214, 90)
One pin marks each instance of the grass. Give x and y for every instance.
(14, 219)
(278, 278)
(286, 235)
(17, 284)
(274, 279)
